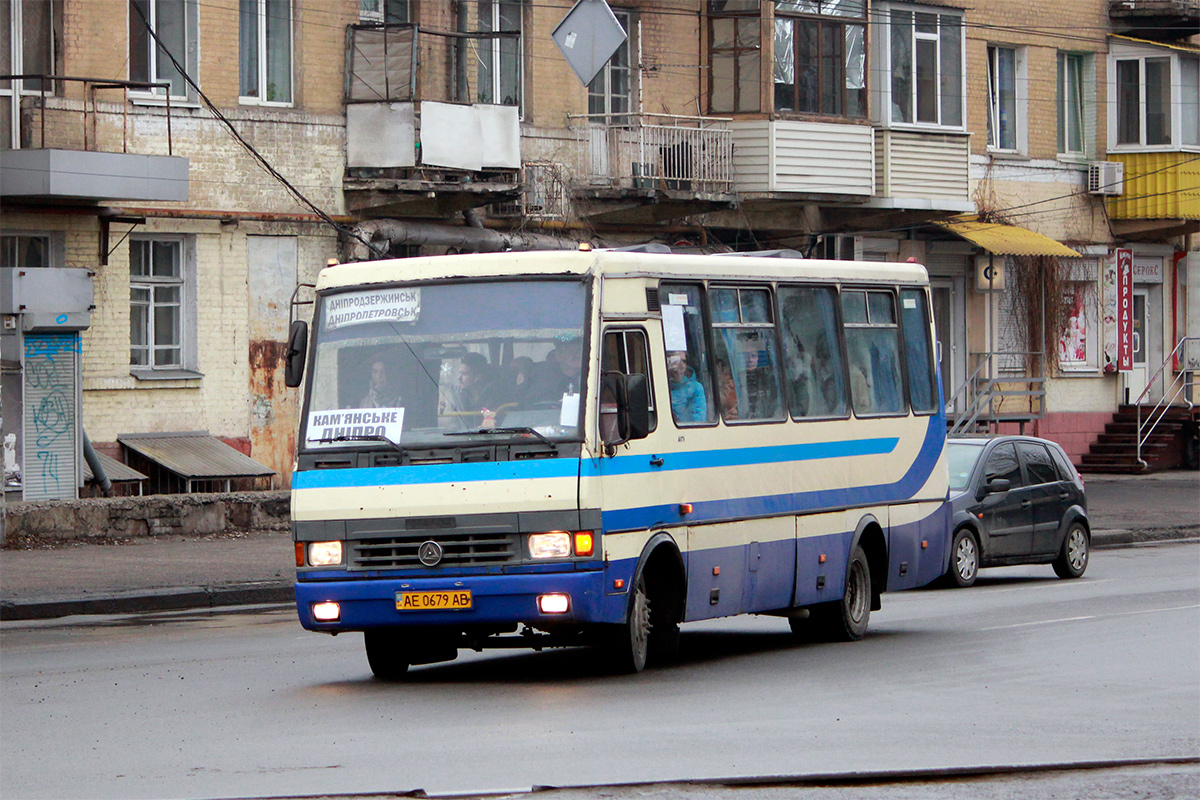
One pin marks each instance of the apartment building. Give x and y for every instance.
(174, 170)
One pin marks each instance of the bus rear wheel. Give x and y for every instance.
(846, 620)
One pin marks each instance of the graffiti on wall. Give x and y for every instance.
(50, 431)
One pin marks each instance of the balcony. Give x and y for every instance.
(640, 168)
(428, 141)
(1159, 20)
(919, 171)
(784, 159)
(1160, 196)
(78, 149)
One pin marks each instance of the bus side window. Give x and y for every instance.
(689, 377)
(873, 345)
(815, 367)
(914, 318)
(744, 339)
(624, 351)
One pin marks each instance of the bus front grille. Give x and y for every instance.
(458, 549)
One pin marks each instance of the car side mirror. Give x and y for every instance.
(624, 408)
(297, 348)
(995, 486)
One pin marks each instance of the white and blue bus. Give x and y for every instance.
(590, 448)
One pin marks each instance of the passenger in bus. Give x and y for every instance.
(476, 391)
(688, 402)
(380, 392)
(517, 380)
(561, 373)
(726, 390)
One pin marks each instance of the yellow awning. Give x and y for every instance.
(1007, 240)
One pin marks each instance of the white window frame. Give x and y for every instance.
(186, 281)
(883, 56)
(1176, 102)
(379, 11)
(1020, 101)
(189, 59)
(601, 86)
(496, 51)
(264, 56)
(11, 94)
(1086, 101)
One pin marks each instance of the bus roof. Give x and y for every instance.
(614, 264)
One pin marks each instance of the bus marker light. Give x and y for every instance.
(716, 570)
(299, 554)
(685, 508)
(583, 543)
(821, 558)
(554, 603)
(619, 583)
(924, 544)
(326, 612)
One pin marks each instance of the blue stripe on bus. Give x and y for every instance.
(569, 468)
(744, 456)
(817, 501)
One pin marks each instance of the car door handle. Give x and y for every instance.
(1063, 495)
(1026, 503)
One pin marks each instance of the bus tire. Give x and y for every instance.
(386, 655)
(846, 620)
(629, 643)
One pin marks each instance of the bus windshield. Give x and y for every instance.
(434, 365)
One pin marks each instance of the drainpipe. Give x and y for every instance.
(93, 461)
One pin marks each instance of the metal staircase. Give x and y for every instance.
(988, 401)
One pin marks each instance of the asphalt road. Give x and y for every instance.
(1021, 670)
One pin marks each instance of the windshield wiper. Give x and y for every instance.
(536, 433)
(360, 437)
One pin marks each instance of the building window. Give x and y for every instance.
(22, 251)
(736, 61)
(1147, 89)
(1003, 122)
(159, 304)
(1079, 347)
(925, 54)
(820, 57)
(28, 31)
(265, 53)
(1073, 106)
(175, 24)
(390, 12)
(609, 92)
(499, 57)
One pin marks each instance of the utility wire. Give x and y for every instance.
(257, 156)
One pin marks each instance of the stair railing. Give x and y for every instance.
(986, 393)
(1184, 381)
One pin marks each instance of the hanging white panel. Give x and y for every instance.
(51, 427)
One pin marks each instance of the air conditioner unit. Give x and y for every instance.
(1106, 177)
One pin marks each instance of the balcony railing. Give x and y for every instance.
(88, 119)
(654, 151)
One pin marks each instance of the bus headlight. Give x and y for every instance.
(324, 554)
(555, 544)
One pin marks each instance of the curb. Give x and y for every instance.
(166, 599)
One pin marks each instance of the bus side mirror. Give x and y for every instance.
(297, 347)
(637, 406)
(624, 408)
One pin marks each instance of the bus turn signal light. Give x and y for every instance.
(584, 544)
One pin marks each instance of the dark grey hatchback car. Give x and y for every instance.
(1015, 500)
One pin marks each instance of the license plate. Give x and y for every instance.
(433, 601)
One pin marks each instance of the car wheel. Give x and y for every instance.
(964, 559)
(1073, 558)
(846, 620)
(630, 643)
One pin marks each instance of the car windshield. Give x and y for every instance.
(437, 365)
(961, 456)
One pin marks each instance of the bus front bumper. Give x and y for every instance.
(365, 603)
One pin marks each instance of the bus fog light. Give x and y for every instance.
(325, 554)
(326, 612)
(556, 544)
(554, 603)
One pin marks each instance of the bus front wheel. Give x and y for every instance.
(391, 653)
(846, 620)
(629, 644)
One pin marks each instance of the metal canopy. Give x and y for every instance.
(194, 456)
(1007, 240)
(115, 470)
